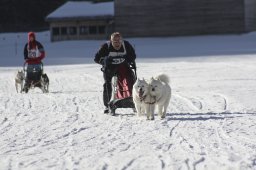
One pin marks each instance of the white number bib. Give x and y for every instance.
(117, 60)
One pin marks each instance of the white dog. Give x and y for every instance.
(19, 80)
(143, 102)
(160, 90)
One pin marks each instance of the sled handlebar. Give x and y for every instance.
(134, 67)
(26, 63)
(106, 63)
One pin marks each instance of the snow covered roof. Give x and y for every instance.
(73, 9)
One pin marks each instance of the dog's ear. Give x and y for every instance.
(144, 80)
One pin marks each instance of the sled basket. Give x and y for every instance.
(33, 72)
(122, 89)
(121, 103)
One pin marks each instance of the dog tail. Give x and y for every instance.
(164, 78)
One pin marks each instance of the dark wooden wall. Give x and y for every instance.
(179, 17)
(250, 15)
(26, 15)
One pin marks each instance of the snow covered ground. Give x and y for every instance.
(210, 121)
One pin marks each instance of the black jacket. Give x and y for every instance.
(107, 47)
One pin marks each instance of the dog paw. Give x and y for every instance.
(163, 116)
(150, 118)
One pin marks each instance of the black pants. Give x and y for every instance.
(107, 86)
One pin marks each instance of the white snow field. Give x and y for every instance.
(210, 123)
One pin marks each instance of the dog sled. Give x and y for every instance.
(35, 77)
(122, 83)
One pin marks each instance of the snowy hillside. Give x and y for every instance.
(210, 121)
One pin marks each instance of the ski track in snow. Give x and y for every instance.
(66, 129)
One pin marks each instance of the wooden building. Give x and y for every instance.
(184, 17)
(250, 15)
(148, 18)
(81, 20)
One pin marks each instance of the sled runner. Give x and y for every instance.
(122, 82)
(34, 77)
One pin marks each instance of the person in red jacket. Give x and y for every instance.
(33, 54)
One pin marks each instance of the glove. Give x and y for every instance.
(107, 60)
(101, 60)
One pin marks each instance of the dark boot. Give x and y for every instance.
(113, 112)
(106, 110)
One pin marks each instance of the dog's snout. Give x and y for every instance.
(153, 89)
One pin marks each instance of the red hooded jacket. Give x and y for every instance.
(33, 51)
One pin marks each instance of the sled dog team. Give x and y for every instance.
(147, 95)
(144, 95)
(150, 94)
(43, 83)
